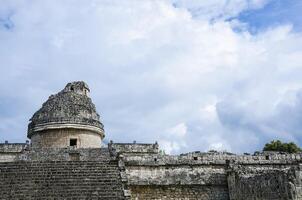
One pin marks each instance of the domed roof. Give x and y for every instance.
(70, 108)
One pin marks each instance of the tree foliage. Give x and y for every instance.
(277, 145)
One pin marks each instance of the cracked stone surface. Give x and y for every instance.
(71, 105)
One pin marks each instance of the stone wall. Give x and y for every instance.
(296, 179)
(264, 182)
(64, 154)
(152, 175)
(60, 138)
(61, 173)
(177, 192)
(211, 158)
(211, 175)
(177, 175)
(177, 182)
(146, 174)
(60, 180)
(9, 151)
(134, 148)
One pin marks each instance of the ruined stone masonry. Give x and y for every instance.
(65, 160)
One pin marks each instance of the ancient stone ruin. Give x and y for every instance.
(65, 160)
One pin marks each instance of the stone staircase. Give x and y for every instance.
(61, 180)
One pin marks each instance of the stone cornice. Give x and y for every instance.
(56, 125)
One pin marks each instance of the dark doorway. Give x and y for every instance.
(73, 142)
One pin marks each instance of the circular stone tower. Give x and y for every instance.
(68, 118)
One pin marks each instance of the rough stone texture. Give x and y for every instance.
(61, 173)
(217, 158)
(177, 175)
(179, 192)
(50, 168)
(60, 180)
(12, 147)
(145, 174)
(133, 149)
(213, 175)
(61, 138)
(296, 182)
(264, 182)
(65, 154)
(69, 109)
(9, 151)
(155, 176)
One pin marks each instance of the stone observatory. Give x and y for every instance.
(65, 160)
(68, 118)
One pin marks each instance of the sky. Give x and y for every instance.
(193, 75)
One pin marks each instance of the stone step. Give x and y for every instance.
(60, 180)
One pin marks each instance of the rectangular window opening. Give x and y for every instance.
(73, 142)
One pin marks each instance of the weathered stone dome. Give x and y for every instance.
(71, 108)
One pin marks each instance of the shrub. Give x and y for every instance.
(277, 145)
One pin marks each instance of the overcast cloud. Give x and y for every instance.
(192, 75)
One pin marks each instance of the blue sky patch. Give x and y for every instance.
(6, 24)
(275, 13)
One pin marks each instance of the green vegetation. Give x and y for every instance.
(277, 145)
(162, 152)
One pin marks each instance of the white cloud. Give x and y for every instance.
(169, 147)
(217, 146)
(209, 113)
(173, 138)
(153, 69)
(180, 130)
